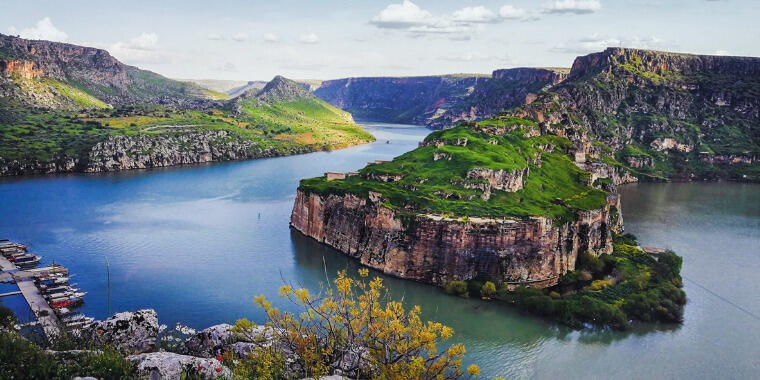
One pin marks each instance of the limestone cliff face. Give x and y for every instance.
(432, 249)
(146, 151)
(531, 74)
(677, 110)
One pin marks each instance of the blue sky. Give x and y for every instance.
(327, 39)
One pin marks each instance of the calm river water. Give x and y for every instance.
(197, 243)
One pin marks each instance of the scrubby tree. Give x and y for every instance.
(353, 325)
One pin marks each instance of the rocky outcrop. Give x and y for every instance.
(667, 143)
(128, 332)
(434, 249)
(23, 69)
(168, 365)
(678, 108)
(729, 159)
(145, 151)
(210, 342)
(149, 151)
(531, 75)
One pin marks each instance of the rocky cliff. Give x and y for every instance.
(434, 249)
(437, 101)
(31, 67)
(664, 115)
(149, 151)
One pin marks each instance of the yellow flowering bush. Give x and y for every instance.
(355, 327)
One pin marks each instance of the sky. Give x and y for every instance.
(327, 39)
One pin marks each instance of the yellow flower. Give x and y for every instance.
(302, 294)
(364, 272)
(473, 370)
(285, 290)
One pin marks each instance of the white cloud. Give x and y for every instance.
(572, 6)
(402, 16)
(43, 30)
(215, 37)
(308, 38)
(270, 37)
(596, 43)
(140, 49)
(509, 12)
(240, 37)
(475, 14)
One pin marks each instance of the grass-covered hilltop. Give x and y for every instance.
(71, 108)
(469, 171)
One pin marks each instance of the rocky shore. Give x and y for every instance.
(138, 336)
(146, 151)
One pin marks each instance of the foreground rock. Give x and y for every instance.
(168, 365)
(128, 332)
(210, 342)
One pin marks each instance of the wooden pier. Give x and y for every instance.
(45, 315)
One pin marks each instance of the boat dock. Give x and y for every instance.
(33, 282)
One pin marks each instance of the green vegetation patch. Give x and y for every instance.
(434, 177)
(611, 290)
(29, 134)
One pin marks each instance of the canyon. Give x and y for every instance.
(437, 101)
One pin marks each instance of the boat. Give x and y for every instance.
(28, 263)
(66, 302)
(52, 292)
(23, 257)
(74, 317)
(54, 281)
(69, 294)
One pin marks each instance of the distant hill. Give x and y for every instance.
(437, 101)
(62, 76)
(72, 108)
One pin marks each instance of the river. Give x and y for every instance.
(196, 243)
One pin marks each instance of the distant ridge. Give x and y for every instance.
(57, 75)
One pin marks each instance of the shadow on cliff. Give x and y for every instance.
(475, 321)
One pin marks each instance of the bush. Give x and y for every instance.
(627, 285)
(7, 317)
(357, 314)
(458, 288)
(597, 285)
(488, 289)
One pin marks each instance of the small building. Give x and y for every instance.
(334, 175)
(352, 174)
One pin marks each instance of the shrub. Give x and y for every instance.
(597, 285)
(358, 314)
(458, 288)
(7, 317)
(488, 289)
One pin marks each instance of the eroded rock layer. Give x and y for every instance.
(433, 249)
